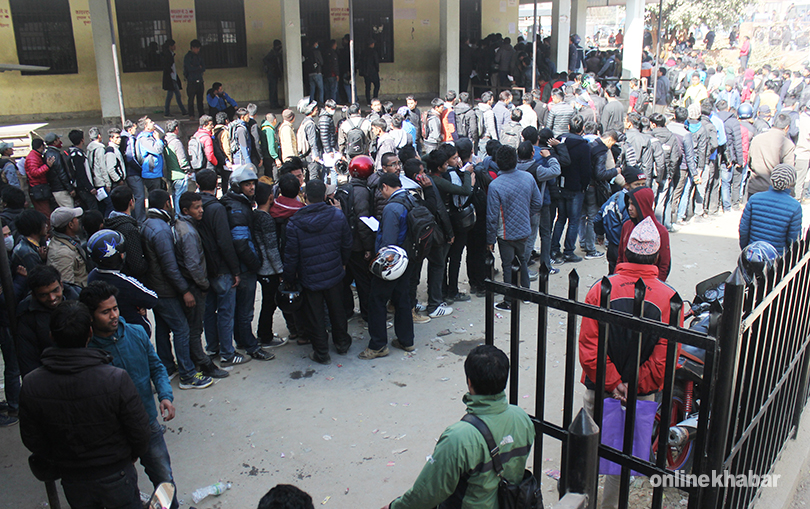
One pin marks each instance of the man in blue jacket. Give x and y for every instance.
(574, 180)
(319, 243)
(609, 220)
(149, 154)
(131, 351)
(773, 216)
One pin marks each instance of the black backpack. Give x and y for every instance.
(421, 225)
(344, 195)
(356, 143)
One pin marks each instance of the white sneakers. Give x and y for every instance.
(441, 310)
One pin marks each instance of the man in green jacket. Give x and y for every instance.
(462, 449)
(270, 146)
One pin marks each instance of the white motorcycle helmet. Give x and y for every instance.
(390, 263)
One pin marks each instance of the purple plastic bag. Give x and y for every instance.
(613, 432)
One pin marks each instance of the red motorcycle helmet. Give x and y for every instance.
(361, 167)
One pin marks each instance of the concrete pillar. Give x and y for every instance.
(291, 42)
(633, 39)
(450, 30)
(105, 66)
(579, 18)
(560, 32)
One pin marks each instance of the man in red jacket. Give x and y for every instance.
(640, 262)
(640, 207)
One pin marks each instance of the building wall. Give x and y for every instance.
(415, 68)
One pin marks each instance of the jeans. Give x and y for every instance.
(194, 317)
(176, 93)
(314, 301)
(678, 193)
(587, 237)
(150, 185)
(156, 462)
(115, 491)
(569, 210)
(11, 369)
(544, 230)
(454, 254)
(195, 89)
(532, 239)
(372, 80)
(170, 316)
(726, 176)
(665, 191)
(380, 292)
(272, 90)
(179, 187)
(509, 249)
(220, 305)
(245, 302)
(436, 268)
(331, 91)
(135, 183)
(316, 87)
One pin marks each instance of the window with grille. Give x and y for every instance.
(44, 33)
(374, 19)
(143, 27)
(315, 22)
(221, 30)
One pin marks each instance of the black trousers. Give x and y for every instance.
(230, 110)
(397, 292)
(195, 89)
(612, 258)
(357, 271)
(314, 301)
(115, 491)
(454, 264)
(476, 252)
(372, 80)
(195, 315)
(269, 286)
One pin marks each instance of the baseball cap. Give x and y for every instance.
(5, 146)
(51, 137)
(61, 216)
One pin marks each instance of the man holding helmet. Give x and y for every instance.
(319, 242)
(362, 200)
(392, 281)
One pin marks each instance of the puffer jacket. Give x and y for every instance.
(326, 130)
(164, 276)
(220, 255)
(319, 243)
(131, 350)
(462, 453)
(512, 199)
(134, 264)
(559, 116)
(267, 241)
(60, 176)
(771, 216)
(642, 198)
(189, 252)
(82, 414)
(35, 169)
(240, 219)
(150, 147)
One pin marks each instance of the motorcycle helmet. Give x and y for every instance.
(306, 105)
(361, 167)
(341, 167)
(242, 173)
(107, 249)
(288, 298)
(755, 258)
(390, 263)
(745, 111)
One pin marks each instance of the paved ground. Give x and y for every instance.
(356, 433)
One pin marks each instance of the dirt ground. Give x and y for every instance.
(356, 433)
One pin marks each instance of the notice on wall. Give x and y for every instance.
(503, 5)
(83, 17)
(182, 15)
(5, 18)
(426, 22)
(511, 28)
(340, 3)
(512, 3)
(339, 14)
(404, 13)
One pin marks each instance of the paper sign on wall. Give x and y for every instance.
(512, 3)
(182, 15)
(511, 28)
(404, 13)
(426, 22)
(503, 5)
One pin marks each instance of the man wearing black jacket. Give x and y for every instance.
(362, 201)
(84, 417)
(598, 190)
(121, 220)
(223, 272)
(733, 157)
(238, 203)
(665, 141)
(573, 182)
(85, 188)
(60, 176)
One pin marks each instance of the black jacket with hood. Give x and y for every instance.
(135, 263)
(577, 175)
(240, 220)
(215, 231)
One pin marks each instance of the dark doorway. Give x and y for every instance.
(315, 20)
(470, 23)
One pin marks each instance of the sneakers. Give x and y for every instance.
(417, 318)
(327, 361)
(197, 381)
(533, 275)
(557, 259)
(572, 258)
(420, 307)
(503, 306)
(7, 420)
(369, 354)
(213, 371)
(396, 344)
(553, 270)
(228, 364)
(461, 297)
(535, 255)
(172, 375)
(593, 255)
(262, 355)
(274, 342)
(441, 310)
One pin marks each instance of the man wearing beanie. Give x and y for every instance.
(773, 216)
(641, 257)
(769, 149)
(512, 199)
(611, 217)
(640, 207)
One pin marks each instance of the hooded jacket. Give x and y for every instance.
(611, 217)
(642, 198)
(319, 243)
(82, 414)
(134, 264)
(163, 276)
(131, 350)
(215, 232)
(433, 130)
(240, 219)
(620, 347)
